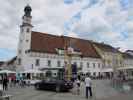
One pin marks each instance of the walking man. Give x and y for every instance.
(5, 83)
(88, 85)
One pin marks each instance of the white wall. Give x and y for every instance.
(128, 62)
(30, 59)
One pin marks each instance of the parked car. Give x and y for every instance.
(54, 85)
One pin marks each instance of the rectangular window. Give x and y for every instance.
(28, 30)
(93, 65)
(99, 73)
(58, 64)
(27, 40)
(49, 63)
(99, 65)
(94, 73)
(88, 65)
(81, 64)
(19, 51)
(37, 62)
(22, 30)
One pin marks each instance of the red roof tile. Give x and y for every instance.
(43, 42)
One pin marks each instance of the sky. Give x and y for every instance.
(108, 21)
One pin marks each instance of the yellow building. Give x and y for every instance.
(111, 58)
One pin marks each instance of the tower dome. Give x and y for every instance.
(27, 10)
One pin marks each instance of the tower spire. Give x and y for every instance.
(27, 10)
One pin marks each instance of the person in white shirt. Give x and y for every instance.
(88, 85)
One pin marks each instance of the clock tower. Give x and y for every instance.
(25, 36)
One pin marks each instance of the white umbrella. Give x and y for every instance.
(7, 72)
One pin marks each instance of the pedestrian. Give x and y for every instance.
(10, 81)
(0, 79)
(78, 86)
(5, 83)
(88, 85)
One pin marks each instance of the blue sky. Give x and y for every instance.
(6, 53)
(109, 21)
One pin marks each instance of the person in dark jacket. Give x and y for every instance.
(5, 83)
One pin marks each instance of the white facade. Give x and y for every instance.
(35, 60)
(128, 63)
(86, 65)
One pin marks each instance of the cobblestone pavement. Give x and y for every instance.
(101, 91)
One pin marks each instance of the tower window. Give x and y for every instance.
(21, 40)
(19, 61)
(19, 51)
(22, 30)
(28, 30)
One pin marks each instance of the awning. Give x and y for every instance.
(125, 68)
(107, 70)
(32, 71)
(7, 72)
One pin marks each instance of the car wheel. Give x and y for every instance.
(37, 86)
(57, 89)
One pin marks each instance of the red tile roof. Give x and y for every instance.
(43, 42)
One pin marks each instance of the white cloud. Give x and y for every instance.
(130, 26)
(106, 21)
(102, 21)
(72, 34)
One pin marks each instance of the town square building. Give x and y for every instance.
(46, 52)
